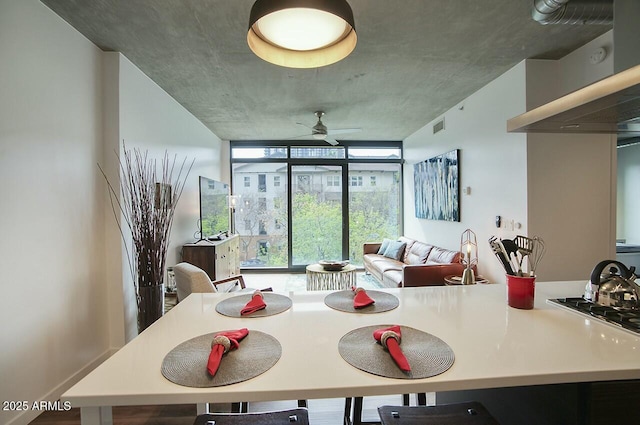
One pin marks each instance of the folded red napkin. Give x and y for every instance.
(361, 299)
(222, 343)
(390, 339)
(256, 303)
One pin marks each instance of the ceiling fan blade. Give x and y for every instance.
(298, 137)
(304, 125)
(331, 141)
(344, 130)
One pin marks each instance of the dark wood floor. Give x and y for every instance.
(178, 414)
(321, 412)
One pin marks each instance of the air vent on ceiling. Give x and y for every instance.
(439, 126)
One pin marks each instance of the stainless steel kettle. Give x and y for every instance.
(616, 288)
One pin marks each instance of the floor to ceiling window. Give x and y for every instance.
(303, 202)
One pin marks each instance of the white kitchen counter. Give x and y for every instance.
(495, 346)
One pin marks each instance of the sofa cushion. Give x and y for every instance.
(395, 250)
(442, 256)
(374, 257)
(392, 278)
(388, 264)
(383, 246)
(418, 253)
(368, 260)
(409, 243)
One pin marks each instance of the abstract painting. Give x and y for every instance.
(436, 187)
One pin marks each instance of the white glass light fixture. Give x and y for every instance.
(301, 33)
(469, 258)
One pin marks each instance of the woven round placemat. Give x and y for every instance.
(343, 301)
(276, 303)
(427, 354)
(186, 364)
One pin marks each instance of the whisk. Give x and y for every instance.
(537, 252)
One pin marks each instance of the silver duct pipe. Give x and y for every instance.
(572, 12)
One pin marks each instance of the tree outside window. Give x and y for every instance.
(304, 183)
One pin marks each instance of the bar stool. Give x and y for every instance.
(243, 407)
(469, 413)
(282, 417)
(356, 402)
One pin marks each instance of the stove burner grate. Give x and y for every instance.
(624, 318)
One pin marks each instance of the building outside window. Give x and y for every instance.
(276, 181)
(372, 180)
(333, 181)
(247, 182)
(262, 182)
(356, 180)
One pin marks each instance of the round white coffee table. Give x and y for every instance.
(319, 279)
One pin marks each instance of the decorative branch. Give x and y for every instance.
(147, 206)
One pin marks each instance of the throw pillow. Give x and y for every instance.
(395, 250)
(383, 246)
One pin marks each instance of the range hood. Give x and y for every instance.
(609, 106)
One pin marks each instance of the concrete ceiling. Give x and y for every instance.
(414, 60)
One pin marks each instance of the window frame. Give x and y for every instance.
(281, 146)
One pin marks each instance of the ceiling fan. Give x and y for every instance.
(320, 131)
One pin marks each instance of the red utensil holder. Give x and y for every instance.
(521, 291)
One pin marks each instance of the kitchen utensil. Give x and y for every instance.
(499, 251)
(525, 248)
(525, 244)
(616, 288)
(511, 251)
(537, 252)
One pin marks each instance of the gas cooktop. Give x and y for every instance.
(625, 319)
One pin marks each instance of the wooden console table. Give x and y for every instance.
(219, 259)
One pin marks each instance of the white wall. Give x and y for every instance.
(629, 194)
(150, 119)
(54, 314)
(492, 165)
(570, 178)
(64, 107)
(549, 79)
(559, 187)
(571, 201)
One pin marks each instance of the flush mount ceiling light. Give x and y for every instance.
(301, 33)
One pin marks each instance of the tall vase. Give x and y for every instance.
(150, 305)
